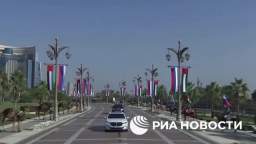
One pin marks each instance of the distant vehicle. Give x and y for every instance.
(116, 121)
(172, 107)
(118, 108)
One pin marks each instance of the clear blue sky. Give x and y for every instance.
(118, 39)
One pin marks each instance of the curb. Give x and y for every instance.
(26, 121)
(24, 135)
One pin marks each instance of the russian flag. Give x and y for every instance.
(226, 103)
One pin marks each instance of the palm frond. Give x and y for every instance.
(62, 48)
(173, 50)
(154, 70)
(183, 50)
(147, 69)
(52, 48)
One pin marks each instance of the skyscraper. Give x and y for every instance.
(22, 59)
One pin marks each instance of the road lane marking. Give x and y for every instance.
(74, 136)
(111, 139)
(69, 122)
(182, 131)
(52, 140)
(43, 135)
(163, 137)
(51, 131)
(194, 137)
(91, 110)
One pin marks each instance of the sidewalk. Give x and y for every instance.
(213, 136)
(34, 126)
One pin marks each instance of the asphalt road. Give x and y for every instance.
(89, 129)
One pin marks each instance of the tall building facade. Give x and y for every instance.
(22, 59)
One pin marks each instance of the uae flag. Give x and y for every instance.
(135, 90)
(83, 87)
(91, 89)
(107, 92)
(122, 91)
(155, 87)
(148, 87)
(87, 86)
(74, 90)
(140, 90)
(50, 77)
(78, 87)
(184, 79)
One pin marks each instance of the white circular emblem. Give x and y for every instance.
(139, 125)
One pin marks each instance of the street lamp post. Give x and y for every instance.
(122, 85)
(80, 72)
(138, 79)
(182, 55)
(89, 92)
(154, 73)
(107, 91)
(53, 53)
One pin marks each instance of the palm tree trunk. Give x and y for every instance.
(238, 106)
(212, 111)
(2, 98)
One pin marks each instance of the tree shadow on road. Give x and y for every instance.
(97, 128)
(234, 136)
(101, 128)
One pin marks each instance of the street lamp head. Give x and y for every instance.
(124, 83)
(187, 56)
(108, 86)
(168, 57)
(179, 41)
(146, 74)
(78, 73)
(156, 74)
(68, 55)
(50, 54)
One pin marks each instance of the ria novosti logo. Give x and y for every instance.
(139, 125)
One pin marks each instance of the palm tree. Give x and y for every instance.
(162, 94)
(240, 90)
(194, 93)
(214, 91)
(18, 85)
(4, 83)
(254, 95)
(41, 92)
(153, 72)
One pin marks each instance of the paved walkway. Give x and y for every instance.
(34, 126)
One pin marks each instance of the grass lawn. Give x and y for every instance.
(246, 120)
(5, 105)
